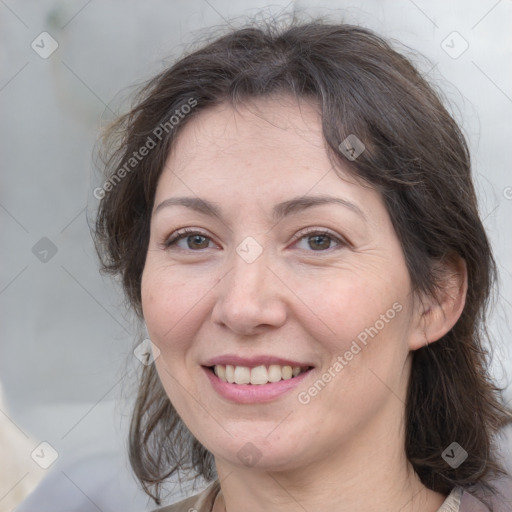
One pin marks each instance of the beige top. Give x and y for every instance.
(203, 502)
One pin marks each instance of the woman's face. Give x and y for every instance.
(275, 283)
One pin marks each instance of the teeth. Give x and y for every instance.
(287, 372)
(274, 373)
(242, 375)
(220, 371)
(256, 376)
(230, 373)
(259, 375)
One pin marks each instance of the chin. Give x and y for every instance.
(258, 452)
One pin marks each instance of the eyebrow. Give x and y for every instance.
(280, 210)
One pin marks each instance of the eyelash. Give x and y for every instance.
(186, 232)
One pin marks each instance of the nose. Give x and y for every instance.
(251, 297)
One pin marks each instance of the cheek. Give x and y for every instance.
(168, 307)
(172, 303)
(160, 306)
(351, 304)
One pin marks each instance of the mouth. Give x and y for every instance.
(256, 375)
(254, 380)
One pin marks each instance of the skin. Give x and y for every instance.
(302, 299)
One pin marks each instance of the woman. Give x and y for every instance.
(292, 215)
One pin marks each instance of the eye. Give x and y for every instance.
(195, 240)
(320, 240)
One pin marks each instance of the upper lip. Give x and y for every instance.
(264, 360)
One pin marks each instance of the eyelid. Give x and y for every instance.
(320, 231)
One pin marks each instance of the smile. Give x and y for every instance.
(258, 375)
(254, 380)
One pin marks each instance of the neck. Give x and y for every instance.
(369, 473)
(287, 493)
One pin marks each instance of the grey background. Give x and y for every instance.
(66, 359)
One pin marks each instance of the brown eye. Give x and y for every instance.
(320, 241)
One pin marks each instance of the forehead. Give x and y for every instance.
(270, 147)
(282, 122)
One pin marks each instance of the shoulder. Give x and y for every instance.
(501, 501)
(202, 502)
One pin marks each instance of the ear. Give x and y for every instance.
(437, 315)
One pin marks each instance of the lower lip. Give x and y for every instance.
(251, 393)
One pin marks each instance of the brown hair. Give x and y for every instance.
(415, 155)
